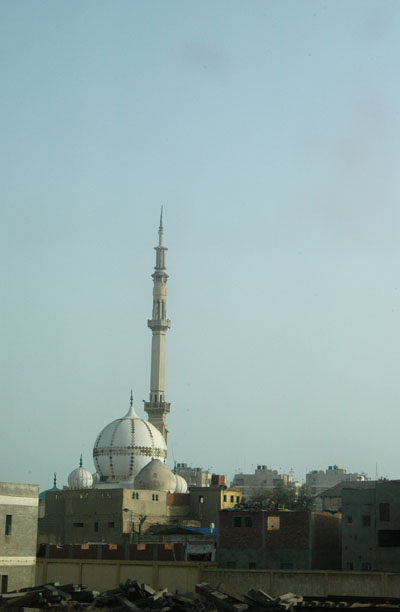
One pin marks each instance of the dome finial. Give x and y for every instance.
(80, 461)
(131, 403)
(55, 480)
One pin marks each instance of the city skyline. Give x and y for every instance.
(271, 136)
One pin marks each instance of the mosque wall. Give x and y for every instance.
(106, 515)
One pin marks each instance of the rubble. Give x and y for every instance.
(131, 596)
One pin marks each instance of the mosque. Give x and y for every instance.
(132, 488)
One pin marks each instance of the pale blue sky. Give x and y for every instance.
(270, 131)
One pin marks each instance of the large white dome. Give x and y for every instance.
(125, 446)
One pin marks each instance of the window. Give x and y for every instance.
(231, 564)
(366, 520)
(77, 524)
(384, 512)
(273, 522)
(248, 521)
(4, 583)
(252, 565)
(111, 524)
(224, 498)
(366, 567)
(237, 521)
(137, 495)
(349, 519)
(237, 499)
(232, 498)
(96, 526)
(389, 537)
(156, 496)
(201, 499)
(349, 566)
(8, 524)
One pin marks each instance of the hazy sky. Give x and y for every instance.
(270, 132)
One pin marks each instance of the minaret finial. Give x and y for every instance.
(131, 403)
(161, 229)
(80, 461)
(55, 480)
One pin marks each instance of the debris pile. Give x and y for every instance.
(134, 597)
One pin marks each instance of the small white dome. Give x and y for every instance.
(181, 484)
(80, 478)
(155, 476)
(125, 446)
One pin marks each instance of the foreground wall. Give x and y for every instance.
(102, 575)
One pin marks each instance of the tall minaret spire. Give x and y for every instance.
(157, 408)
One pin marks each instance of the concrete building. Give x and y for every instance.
(291, 540)
(195, 477)
(318, 481)
(18, 531)
(263, 480)
(371, 527)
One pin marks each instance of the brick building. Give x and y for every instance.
(261, 539)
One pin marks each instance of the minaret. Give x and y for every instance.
(157, 408)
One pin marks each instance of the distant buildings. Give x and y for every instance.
(195, 477)
(18, 533)
(318, 481)
(263, 480)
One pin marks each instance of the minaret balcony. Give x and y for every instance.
(159, 324)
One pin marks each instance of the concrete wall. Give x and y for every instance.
(101, 575)
(19, 502)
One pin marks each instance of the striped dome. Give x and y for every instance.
(125, 446)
